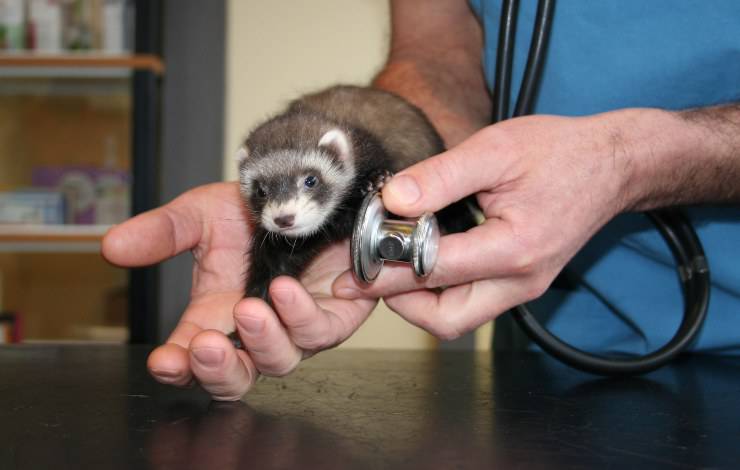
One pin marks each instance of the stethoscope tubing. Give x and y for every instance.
(673, 225)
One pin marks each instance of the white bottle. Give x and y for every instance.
(46, 17)
(113, 26)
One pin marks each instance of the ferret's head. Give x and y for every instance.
(292, 191)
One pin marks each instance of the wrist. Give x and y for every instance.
(679, 157)
(652, 146)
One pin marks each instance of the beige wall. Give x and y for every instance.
(277, 50)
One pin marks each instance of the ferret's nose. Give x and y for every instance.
(284, 221)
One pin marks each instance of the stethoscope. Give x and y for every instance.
(378, 238)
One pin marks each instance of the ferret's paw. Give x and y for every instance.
(376, 181)
(236, 340)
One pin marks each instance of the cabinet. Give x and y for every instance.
(78, 152)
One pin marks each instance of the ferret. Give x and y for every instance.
(304, 173)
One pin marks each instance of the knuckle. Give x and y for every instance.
(439, 277)
(315, 337)
(299, 325)
(447, 271)
(313, 342)
(536, 288)
(447, 334)
(443, 330)
(522, 263)
(526, 259)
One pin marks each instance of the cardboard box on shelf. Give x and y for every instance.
(32, 207)
(94, 195)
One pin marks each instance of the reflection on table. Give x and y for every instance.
(82, 407)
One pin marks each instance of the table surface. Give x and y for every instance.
(96, 407)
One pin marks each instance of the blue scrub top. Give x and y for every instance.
(605, 55)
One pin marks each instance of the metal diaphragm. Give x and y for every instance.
(377, 238)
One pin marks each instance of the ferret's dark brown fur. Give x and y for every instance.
(304, 172)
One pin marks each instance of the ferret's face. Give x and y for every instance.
(293, 193)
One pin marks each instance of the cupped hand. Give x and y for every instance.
(211, 221)
(545, 185)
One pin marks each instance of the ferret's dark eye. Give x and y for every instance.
(310, 181)
(261, 191)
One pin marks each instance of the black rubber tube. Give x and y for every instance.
(504, 57)
(536, 58)
(672, 224)
(695, 281)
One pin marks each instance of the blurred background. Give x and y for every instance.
(112, 107)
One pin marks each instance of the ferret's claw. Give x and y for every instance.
(377, 181)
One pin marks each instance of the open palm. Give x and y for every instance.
(212, 222)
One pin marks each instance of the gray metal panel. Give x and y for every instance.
(193, 124)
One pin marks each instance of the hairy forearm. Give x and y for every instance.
(684, 157)
(446, 99)
(434, 62)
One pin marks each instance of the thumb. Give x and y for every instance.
(438, 181)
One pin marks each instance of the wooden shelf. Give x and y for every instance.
(51, 238)
(25, 62)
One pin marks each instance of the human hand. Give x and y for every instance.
(545, 185)
(211, 222)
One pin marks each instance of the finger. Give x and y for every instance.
(170, 363)
(487, 251)
(222, 370)
(163, 232)
(459, 309)
(265, 338)
(152, 236)
(439, 181)
(316, 324)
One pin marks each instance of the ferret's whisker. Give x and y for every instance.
(292, 247)
(267, 233)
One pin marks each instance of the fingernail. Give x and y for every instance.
(348, 293)
(404, 189)
(282, 296)
(209, 357)
(251, 325)
(165, 374)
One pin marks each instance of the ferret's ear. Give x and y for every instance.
(337, 140)
(241, 154)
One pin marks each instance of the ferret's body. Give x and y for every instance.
(305, 172)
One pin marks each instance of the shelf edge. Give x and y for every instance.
(149, 62)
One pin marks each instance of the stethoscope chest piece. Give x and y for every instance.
(376, 239)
